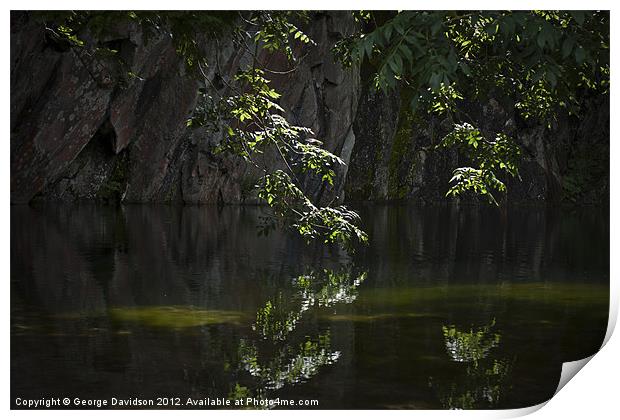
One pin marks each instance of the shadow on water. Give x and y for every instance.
(447, 307)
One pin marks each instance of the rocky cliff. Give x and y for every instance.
(81, 129)
(568, 161)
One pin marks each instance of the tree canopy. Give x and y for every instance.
(541, 61)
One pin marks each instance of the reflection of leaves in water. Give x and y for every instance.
(483, 386)
(494, 376)
(329, 288)
(287, 363)
(277, 318)
(470, 346)
(239, 392)
(274, 320)
(290, 365)
(483, 382)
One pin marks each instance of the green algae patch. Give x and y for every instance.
(175, 316)
(374, 317)
(548, 293)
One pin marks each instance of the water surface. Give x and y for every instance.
(447, 307)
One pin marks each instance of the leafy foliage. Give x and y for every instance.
(470, 346)
(280, 315)
(246, 110)
(86, 29)
(538, 60)
(290, 365)
(273, 360)
(489, 156)
(276, 30)
(483, 381)
(253, 123)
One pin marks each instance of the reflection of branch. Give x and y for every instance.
(483, 382)
(275, 321)
(283, 370)
(291, 364)
(470, 346)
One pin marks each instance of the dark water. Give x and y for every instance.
(447, 307)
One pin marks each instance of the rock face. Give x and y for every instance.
(81, 129)
(318, 94)
(567, 161)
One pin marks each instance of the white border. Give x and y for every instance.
(592, 394)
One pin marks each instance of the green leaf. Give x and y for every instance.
(567, 46)
(368, 43)
(580, 54)
(434, 80)
(388, 32)
(465, 68)
(406, 52)
(540, 39)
